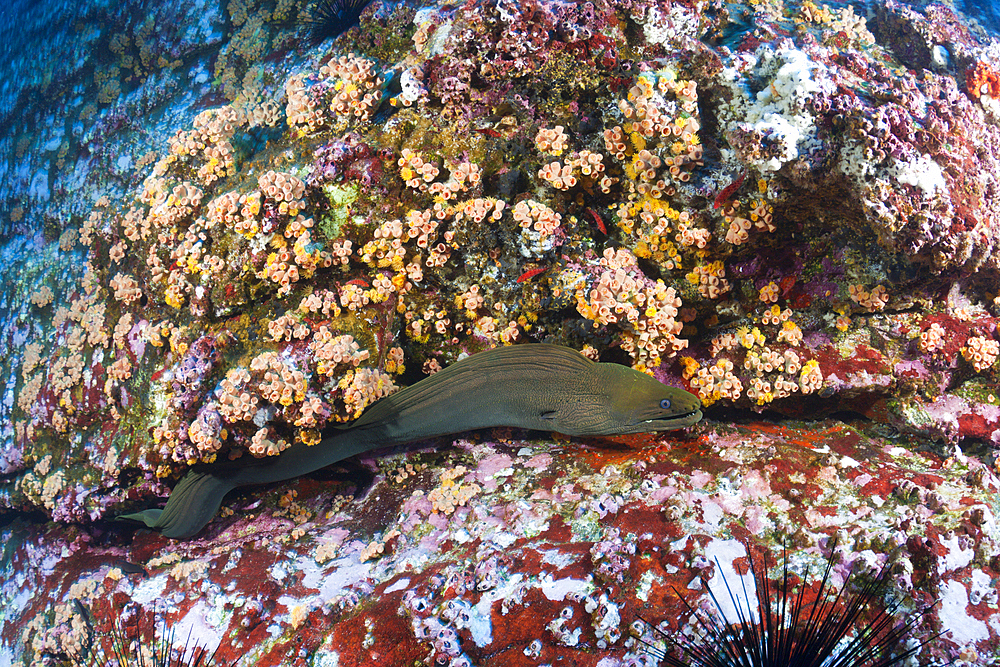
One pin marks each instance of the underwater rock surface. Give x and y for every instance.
(222, 236)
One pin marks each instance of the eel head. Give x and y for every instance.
(612, 399)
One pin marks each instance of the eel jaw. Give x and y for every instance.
(674, 422)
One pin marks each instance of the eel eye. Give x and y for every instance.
(665, 404)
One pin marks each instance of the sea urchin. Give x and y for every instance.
(125, 647)
(331, 18)
(839, 629)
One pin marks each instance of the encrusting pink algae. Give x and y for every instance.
(222, 236)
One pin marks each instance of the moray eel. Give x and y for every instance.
(535, 386)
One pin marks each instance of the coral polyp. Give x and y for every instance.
(229, 227)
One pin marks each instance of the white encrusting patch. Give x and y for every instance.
(955, 620)
(724, 553)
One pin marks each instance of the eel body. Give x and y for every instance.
(534, 386)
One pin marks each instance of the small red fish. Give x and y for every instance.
(361, 282)
(531, 273)
(727, 192)
(597, 219)
(786, 285)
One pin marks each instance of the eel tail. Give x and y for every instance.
(148, 517)
(192, 504)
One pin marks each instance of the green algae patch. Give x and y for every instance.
(912, 412)
(978, 390)
(340, 197)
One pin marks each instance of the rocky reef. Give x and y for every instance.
(227, 229)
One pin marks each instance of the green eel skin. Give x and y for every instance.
(536, 386)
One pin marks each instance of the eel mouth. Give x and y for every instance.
(675, 421)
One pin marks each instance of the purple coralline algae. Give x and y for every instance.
(222, 238)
